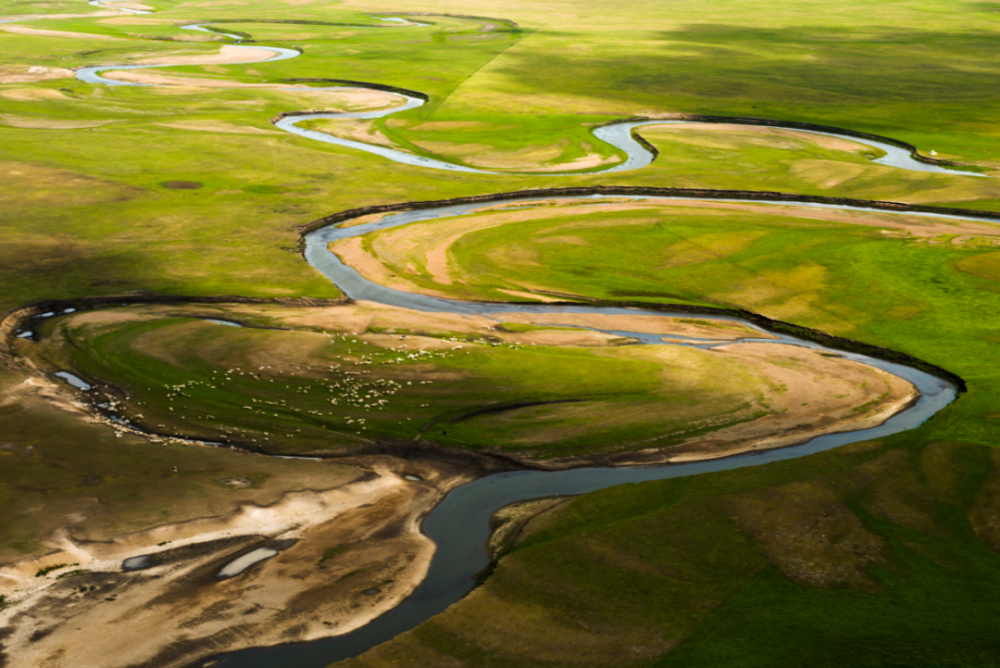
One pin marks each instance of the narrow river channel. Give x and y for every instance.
(621, 134)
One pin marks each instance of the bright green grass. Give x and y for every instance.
(670, 563)
(204, 380)
(208, 228)
(905, 294)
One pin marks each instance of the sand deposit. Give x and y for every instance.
(296, 595)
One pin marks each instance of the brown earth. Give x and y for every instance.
(297, 595)
(24, 30)
(32, 94)
(30, 123)
(31, 73)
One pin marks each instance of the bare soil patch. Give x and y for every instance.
(31, 123)
(182, 185)
(31, 73)
(32, 94)
(693, 326)
(38, 32)
(228, 55)
(370, 527)
(814, 394)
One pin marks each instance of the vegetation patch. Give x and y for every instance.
(182, 185)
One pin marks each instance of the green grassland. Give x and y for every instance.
(876, 554)
(728, 569)
(332, 392)
(722, 569)
(274, 182)
(930, 297)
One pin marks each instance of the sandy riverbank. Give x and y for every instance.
(368, 529)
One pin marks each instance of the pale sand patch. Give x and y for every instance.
(165, 81)
(349, 98)
(29, 123)
(693, 326)
(24, 30)
(824, 395)
(136, 21)
(31, 73)
(583, 338)
(45, 389)
(359, 130)
(32, 94)
(229, 54)
(531, 296)
(364, 220)
(218, 126)
(352, 253)
(529, 156)
(108, 317)
(436, 260)
(127, 4)
(530, 159)
(289, 597)
(180, 90)
(833, 143)
(358, 317)
(586, 162)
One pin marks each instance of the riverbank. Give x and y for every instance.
(344, 556)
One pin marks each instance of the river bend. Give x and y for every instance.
(621, 135)
(459, 525)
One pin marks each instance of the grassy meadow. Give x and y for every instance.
(875, 554)
(879, 554)
(314, 390)
(925, 290)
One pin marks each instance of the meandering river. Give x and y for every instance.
(621, 135)
(459, 525)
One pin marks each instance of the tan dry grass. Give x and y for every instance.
(32, 94)
(39, 32)
(218, 126)
(32, 123)
(31, 73)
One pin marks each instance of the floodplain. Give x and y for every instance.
(228, 400)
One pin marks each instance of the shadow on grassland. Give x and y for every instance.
(703, 67)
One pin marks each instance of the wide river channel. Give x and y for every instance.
(459, 525)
